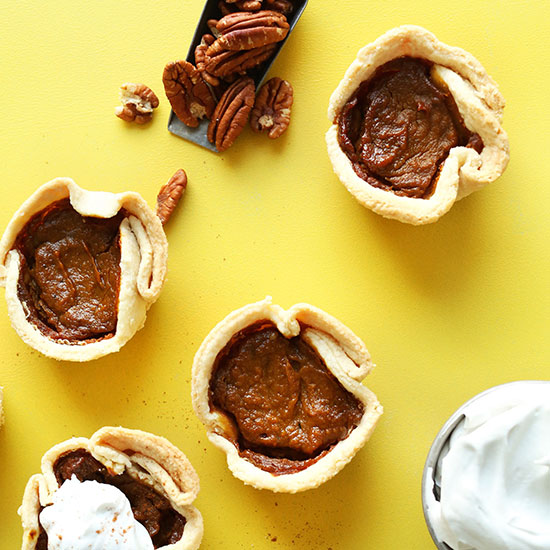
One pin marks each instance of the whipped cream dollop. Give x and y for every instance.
(92, 516)
(495, 478)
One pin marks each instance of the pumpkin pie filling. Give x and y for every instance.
(163, 523)
(70, 273)
(287, 409)
(399, 126)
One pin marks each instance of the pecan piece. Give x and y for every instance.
(187, 92)
(200, 60)
(212, 24)
(283, 6)
(271, 112)
(226, 63)
(170, 194)
(246, 30)
(226, 8)
(138, 102)
(250, 5)
(232, 6)
(231, 114)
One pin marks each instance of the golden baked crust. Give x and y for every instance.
(1, 406)
(343, 353)
(148, 458)
(479, 103)
(144, 251)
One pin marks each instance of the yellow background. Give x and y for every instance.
(446, 310)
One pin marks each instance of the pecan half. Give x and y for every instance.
(247, 30)
(138, 102)
(226, 63)
(231, 114)
(271, 112)
(170, 194)
(187, 92)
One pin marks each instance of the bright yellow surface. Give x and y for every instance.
(446, 310)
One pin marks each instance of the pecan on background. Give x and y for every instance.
(271, 112)
(231, 114)
(187, 92)
(170, 194)
(247, 30)
(138, 102)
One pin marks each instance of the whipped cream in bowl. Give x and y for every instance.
(92, 516)
(486, 482)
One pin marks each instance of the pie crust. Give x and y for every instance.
(150, 459)
(479, 103)
(1, 406)
(344, 355)
(143, 255)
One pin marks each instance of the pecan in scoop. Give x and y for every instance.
(138, 102)
(226, 63)
(212, 24)
(232, 6)
(283, 6)
(247, 30)
(187, 92)
(200, 60)
(226, 8)
(231, 114)
(170, 194)
(271, 112)
(249, 5)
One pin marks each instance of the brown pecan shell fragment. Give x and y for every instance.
(231, 114)
(170, 194)
(187, 92)
(245, 30)
(138, 102)
(271, 112)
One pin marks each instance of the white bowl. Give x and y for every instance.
(438, 450)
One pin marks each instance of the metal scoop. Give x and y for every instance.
(211, 11)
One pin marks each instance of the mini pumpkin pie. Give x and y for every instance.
(122, 488)
(280, 393)
(416, 126)
(81, 269)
